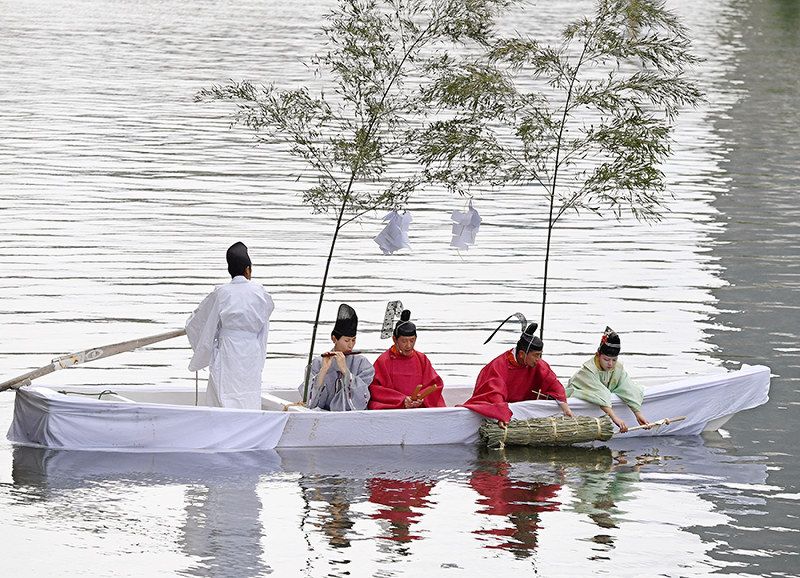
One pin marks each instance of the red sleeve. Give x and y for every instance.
(548, 382)
(489, 397)
(429, 378)
(381, 393)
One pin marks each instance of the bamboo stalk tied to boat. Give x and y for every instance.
(547, 431)
(557, 430)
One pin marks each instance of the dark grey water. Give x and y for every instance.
(118, 196)
(759, 250)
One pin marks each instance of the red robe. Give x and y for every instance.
(397, 376)
(503, 380)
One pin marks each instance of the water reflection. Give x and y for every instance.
(334, 496)
(599, 496)
(612, 488)
(512, 501)
(221, 531)
(401, 503)
(63, 469)
(597, 478)
(520, 501)
(759, 253)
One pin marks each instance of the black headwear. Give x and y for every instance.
(346, 322)
(528, 341)
(518, 315)
(609, 344)
(238, 259)
(404, 327)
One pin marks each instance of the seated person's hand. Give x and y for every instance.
(642, 420)
(409, 403)
(565, 409)
(340, 361)
(620, 424)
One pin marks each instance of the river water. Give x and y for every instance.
(119, 195)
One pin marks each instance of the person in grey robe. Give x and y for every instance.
(340, 378)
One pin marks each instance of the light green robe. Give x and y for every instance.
(595, 386)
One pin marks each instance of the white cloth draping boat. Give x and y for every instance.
(153, 419)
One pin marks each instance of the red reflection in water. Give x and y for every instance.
(400, 496)
(518, 500)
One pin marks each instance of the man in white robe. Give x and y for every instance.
(228, 333)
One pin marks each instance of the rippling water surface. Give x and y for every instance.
(119, 196)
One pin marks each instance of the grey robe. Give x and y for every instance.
(341, 392)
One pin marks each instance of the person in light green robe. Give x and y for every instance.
(603, 375)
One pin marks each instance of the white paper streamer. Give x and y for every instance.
(465, 227)
(395, 234)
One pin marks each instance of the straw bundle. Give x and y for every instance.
(547, 431)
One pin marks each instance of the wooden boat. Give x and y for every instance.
(160, 419)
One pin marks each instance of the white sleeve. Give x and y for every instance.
(263, 336)
(201, 329)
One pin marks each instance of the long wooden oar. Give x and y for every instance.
(88, 355)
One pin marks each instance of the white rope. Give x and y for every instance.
(505, 436)
(288, 405)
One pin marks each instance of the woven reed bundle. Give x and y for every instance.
(547, 431)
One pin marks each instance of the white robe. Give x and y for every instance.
(228, 333)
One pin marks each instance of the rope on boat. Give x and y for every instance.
(90, 394)
(288, 405)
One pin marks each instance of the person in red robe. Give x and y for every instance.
(404, 377)
(516, 375)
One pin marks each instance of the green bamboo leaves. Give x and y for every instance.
(585, 123)
(354, 133)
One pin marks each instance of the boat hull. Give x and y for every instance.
(131, 421)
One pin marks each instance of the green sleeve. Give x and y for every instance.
(586, 385)
(629, 392)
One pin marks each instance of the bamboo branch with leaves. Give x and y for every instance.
(356, 130)
(592, 133)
